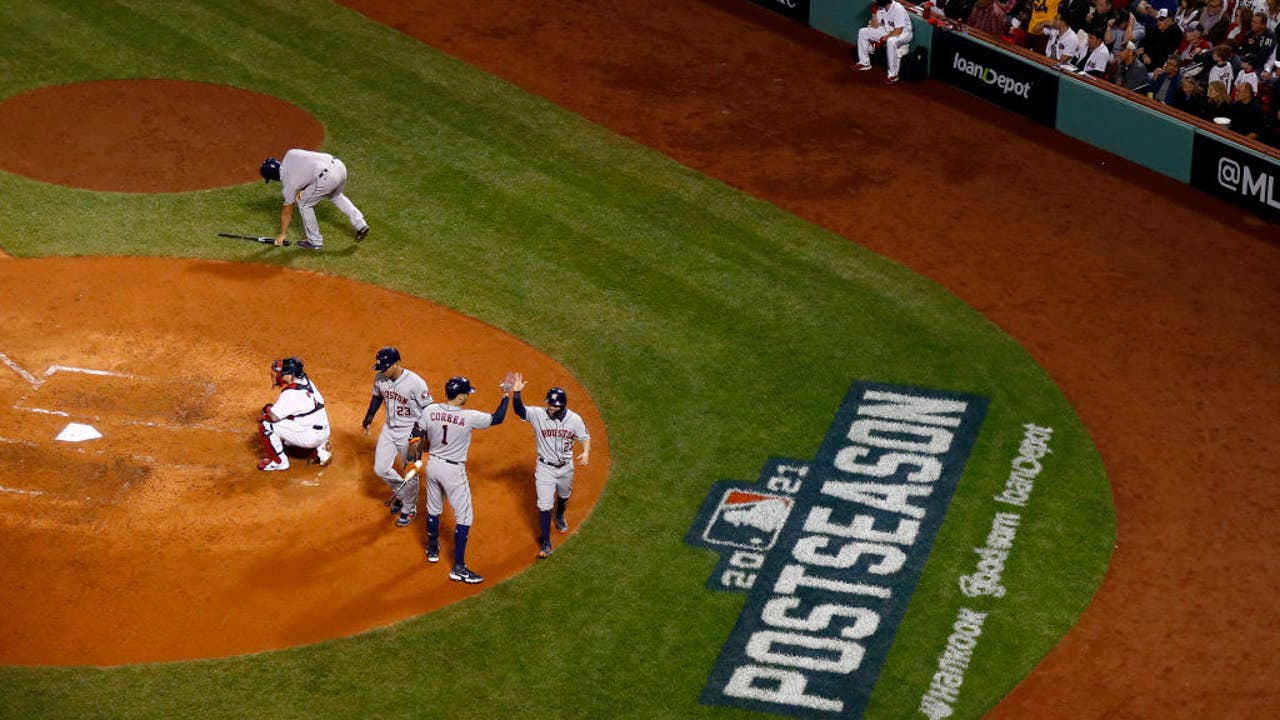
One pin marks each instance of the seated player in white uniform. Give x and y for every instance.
(297, 418)
(891, 25)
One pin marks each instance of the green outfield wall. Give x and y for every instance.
(1107, 120)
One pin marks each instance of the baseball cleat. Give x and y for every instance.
(461, 573)
(561, 524)
(891, 80)
(270, 465)
(862, 67)
(362, 233)
(545, 550)
(433, 553)
(308, 245)
(405, 519)
(324, 454)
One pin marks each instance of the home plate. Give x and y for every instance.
(77, 432)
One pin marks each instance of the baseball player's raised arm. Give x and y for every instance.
(518, 405)
(501, 413)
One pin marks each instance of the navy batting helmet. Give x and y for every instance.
(287, 366)
(270, 169)
(456, 386)
(557, 397)
(387, 357)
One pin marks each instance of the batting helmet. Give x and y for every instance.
(386, 357)
(456, 386)
(270, 169)
(287, 366)
(557, 397)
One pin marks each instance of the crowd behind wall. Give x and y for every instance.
(1215, 59)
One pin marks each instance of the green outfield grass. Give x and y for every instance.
(713, 330)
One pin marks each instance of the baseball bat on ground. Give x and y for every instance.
(254, 238)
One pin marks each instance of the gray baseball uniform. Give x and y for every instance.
(449, 431)
(555, 439)
(406, 397)
(307, 178)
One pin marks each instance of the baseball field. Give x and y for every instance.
(720, 327)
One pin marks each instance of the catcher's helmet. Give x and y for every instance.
(386, 357)
(557, 397)
(456, 386)
(288, 366)
(270, 169)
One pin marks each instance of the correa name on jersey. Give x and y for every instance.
(829, 552)
(448, 417)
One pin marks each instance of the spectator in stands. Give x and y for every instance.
(1165, 81)
(1161, 41)
(890, 25)
(1075, 12)
(1148, 12)
(1215, 19)
(1062, 42)
(1217, 102)
(1222, 70)
(1247, 75)
(1190, 97)
(1095, 57)
(1195, 51)
(1273, 14)
(1123, 29)
(1259, 43)
(1246, 113)
(988, 16)
(1188, 12)
(1241, 20)
(1101, 16)
(1130, 72)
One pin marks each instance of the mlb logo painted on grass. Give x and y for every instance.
(829, 552)
(747, 520)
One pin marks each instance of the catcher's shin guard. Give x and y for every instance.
(270, 442)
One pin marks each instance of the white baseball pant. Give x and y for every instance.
(869, 36)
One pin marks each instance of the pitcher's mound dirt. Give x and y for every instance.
(148, 136)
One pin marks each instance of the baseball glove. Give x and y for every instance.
(417, 442)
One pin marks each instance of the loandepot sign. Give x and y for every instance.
(829, 552)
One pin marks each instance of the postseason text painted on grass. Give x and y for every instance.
(830, 551)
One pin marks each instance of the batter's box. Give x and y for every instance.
(67, 475)
(89, 395)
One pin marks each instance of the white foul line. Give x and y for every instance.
(19, 491)
(35, 382)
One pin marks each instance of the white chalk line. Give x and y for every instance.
(87, 371)
(36, 382)
(20, 491)
(21, 371)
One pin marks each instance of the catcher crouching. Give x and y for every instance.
(297, 418)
